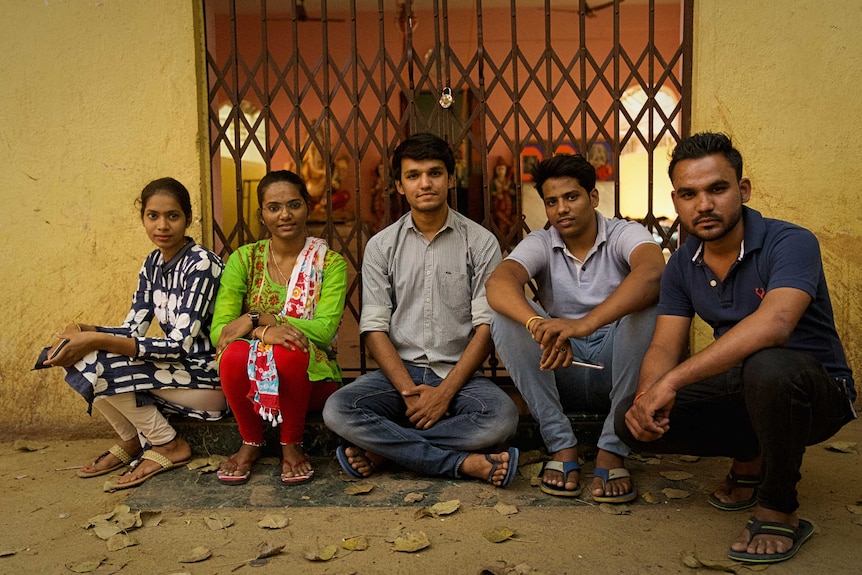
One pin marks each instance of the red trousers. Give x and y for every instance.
(296, 395)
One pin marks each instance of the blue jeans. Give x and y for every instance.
(774, 404)
(619, 346)
(370, 413)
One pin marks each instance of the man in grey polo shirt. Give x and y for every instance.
(425, 319)
(598, 282)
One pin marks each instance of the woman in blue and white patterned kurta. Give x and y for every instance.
(126, 375)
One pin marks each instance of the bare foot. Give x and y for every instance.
(614, 487)
(477, 465)
(294, 463)
(767, 543)
(240, 462)
(109, 460)
(555, 478)
(176, 450)
(731, 491)
(363, 462)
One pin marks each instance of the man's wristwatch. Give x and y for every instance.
(254, 316)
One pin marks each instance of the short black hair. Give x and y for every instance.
(423, 146)
(170, 187)
(706, 144)
(565, 166)
(282, 176)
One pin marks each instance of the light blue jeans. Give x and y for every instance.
(370, 413)
(619, 346)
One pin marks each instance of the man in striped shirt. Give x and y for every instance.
(425, 320)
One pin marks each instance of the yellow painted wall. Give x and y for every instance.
(782, 78)
(96, 100)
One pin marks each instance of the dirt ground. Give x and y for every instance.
(45, 508)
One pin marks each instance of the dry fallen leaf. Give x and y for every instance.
(648, 460)
(651, 498)
(196, 555)
(855, 509)
(498, 534)
(614, 509)
(151, 518)
(689, 458)
(358, 543)
(530, 457)
(121, 541)
(414, 497)
(411, 542)
(7, 553)
(322, 553)
(505, 508)
(358, 489)
(672, 493)
(531, 470)
(125, 520)
(422, 512)
(276, 521)
(394, 533)
(25, 445)
(676, 475)
(842, 446)
(266, 550)
(106, 530)
(111, 568)
(446, 507)
(216, 523)
(85, 566)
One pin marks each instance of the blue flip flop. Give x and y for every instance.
(564, 467)
(511, 471)
(609, 475)
(341, 456)
(798, 535)
(737, 481)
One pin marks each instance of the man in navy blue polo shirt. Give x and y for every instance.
(774, 380)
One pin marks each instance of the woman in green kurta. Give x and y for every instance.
(275, 323)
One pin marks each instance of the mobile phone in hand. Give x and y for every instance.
(59, 347)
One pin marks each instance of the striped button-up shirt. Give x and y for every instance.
(428, 296)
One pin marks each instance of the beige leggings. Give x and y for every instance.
(130, 421)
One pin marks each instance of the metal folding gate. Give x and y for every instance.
(329, 87)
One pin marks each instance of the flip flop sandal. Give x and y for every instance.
(344, 463)
(737, 481)
(124, 456)
(564, 467)
(798, 535)
(609, 475)
(297, 479)
(511, 470)
(164, 463)
(226, 479)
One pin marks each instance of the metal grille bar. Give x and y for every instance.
(329, 87)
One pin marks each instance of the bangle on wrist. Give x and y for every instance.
(638, 396)
(263, 333)
(531, 320)
(79, 327)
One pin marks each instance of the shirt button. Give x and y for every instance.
(712, 283)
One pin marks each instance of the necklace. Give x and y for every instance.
(275, 261)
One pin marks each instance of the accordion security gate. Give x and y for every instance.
(329, 88)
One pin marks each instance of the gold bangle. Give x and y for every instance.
(263, 334)
(79, 327)
(638, 396)
(531, 320)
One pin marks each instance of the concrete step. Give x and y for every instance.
(222, 437)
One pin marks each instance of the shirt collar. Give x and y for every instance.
(601, 235)
(449, 223)
(755, 233)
